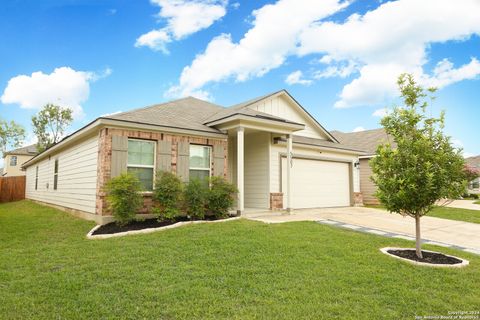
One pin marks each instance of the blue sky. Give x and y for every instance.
(338, 59)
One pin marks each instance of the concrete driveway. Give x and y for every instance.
(449, 233)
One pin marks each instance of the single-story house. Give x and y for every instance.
(474, 186)
(368, 141)
(276, 153)
(14, 159)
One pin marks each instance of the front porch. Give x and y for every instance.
(250, 163)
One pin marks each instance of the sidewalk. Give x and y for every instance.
(450, 233)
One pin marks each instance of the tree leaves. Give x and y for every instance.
(11, 135)
(49, 125)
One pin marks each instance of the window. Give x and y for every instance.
(13, 161)
(200, 162)
(36, 178)
(55, 175)
(141, 161)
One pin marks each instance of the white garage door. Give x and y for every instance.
(317, 183)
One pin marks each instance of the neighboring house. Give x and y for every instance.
(474, 186)
(367, 141)
(14, 159)
(250, 144)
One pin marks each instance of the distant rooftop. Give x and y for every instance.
(30, 150)
(473, 161)
(366, 140)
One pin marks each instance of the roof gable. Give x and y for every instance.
(281, 104)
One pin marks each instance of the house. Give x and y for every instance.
(474, 186)
(14, 159)
(271, 148)
(368, 141)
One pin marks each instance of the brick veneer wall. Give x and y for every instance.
(276, 200)
(105, 159)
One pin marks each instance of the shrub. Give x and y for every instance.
(196, 198)
(168, 195)
(220, 197)
(124, 197)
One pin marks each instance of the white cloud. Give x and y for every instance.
(184, 17)
(296, 78)
(342, 70)
(445, 74)
(272, 38)
(64, 86)
(392, 39)
(358, 129)
(381, 112)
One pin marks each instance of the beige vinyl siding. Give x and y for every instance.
(367, 187)
(276, 150)
(279, 106)
(256, 170)
(11, 171)
(77, 177)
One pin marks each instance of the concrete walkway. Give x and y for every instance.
(449, 233)
(464, 204)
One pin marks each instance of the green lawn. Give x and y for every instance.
(477, 202)
(449, 213)
(232, 270)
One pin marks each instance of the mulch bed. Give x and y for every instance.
(428, 257)
(112, 227)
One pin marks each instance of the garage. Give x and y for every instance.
(317, 183)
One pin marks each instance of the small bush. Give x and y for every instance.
(196, 198)
(220, 197)
(168, 195)
(474, 196)
(124, 197)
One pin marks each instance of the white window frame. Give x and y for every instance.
(11, 160)
(209, 160)
(146, 166)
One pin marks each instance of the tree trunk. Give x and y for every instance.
(418, 239)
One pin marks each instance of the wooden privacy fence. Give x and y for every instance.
(12, 188)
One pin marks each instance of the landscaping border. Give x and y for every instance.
(458, 265)
(151, 230)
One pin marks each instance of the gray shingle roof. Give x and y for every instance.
(187, 113)
(366, 141)
(473, 161)
(30, 150)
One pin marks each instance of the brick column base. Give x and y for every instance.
(276, 200)
(358, 199)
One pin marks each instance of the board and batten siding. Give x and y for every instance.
(77, 177)
(275, 168)
(279, 106)
(257, 193)
(367, 187)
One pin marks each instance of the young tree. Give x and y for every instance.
(424, 167)
(11, 134)
(50, 124)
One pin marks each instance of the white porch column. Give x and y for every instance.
(289, 173)
(240, 170)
